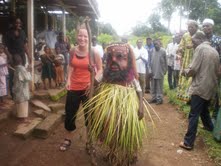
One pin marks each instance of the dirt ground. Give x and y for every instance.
(160, 148)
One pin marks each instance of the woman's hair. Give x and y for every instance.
(81, 26)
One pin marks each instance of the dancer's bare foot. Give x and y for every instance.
(93, 157)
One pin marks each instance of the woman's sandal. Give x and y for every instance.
(65, 145)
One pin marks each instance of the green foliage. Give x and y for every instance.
(167, 8)
(154, 21)
(141, 30)
(133, 40)
(71, 22)
(106, 28)
(104, 38)
(71, 36)
(164, 37)
(194, 9)
(214, 147)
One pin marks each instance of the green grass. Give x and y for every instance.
(213, 147)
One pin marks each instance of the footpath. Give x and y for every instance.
(40, 145)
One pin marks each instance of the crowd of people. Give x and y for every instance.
(51, 58)
(191, 61)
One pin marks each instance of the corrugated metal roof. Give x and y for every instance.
(79, 7)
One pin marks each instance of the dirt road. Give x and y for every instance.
(160, 149)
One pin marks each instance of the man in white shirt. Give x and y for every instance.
(98, 47)
(141, 56)
(171, 53)
(51, 38)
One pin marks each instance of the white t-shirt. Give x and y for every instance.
(50, 39)
(100, 50)
(141, 65)
(171, 53)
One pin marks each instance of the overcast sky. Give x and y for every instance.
(125, 14)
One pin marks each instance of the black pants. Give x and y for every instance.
(199, 107)
(73, 101)
(170, 77)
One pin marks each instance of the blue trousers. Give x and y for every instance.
(199, 107)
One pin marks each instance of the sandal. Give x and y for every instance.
(65, 145)
(182, 145)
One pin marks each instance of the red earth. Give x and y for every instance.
(160, 148)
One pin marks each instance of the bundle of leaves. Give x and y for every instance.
(113, 117)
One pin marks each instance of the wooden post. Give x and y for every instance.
(13, 6)
(46, 20)
(64, 22)
(55, 22)
(30, 16)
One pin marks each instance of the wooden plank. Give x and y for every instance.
(44, 129)
(24, 130)
(41, 113)
(56, 107)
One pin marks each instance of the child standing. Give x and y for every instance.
(21, 88)
(47, 67)
(3, 73)
(59, 61)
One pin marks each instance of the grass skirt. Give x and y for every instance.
(113, 115)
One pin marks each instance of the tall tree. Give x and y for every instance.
(141, 30)
(106, 28)
(168, 8)
(154, 21)
(194, 9)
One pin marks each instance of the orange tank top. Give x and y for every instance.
(80, 76)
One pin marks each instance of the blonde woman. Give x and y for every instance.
(78, 82)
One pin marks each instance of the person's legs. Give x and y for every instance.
(147, 88)
(71, 107)
(205, 117)
(49, 81)
(44, 83)
(22, 110)
(11, 76)
(73, 101)
(170, 75)
(197, 105)
(153, 90)
(159, 91)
